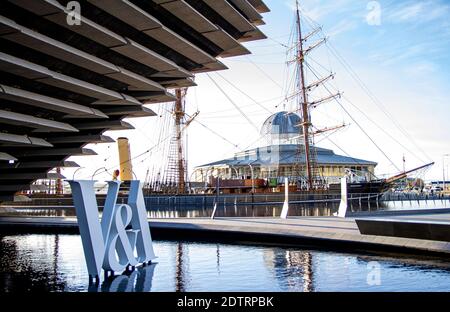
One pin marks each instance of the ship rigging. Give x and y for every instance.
(169, 174)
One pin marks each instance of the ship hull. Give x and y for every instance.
(373, 187)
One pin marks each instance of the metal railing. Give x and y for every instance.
(242, 204)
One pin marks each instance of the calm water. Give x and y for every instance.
(226, 208)
(56, 263)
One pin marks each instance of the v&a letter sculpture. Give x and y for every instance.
(122, 237)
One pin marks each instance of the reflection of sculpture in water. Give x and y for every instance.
(308, 285)
(55, 259)
(179, 269)
(292, 268)
(218, 258)
(139, 280)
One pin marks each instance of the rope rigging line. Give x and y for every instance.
(264, 73)
(356, 122)
(161, 140)
(371, 120)
(209, 129)
(245, 94)
(261, 136)
(133, 158)
(278, 42)
(343, 151)
(383, 130)
(215, 133)
(216, 112)
(234, 104)
(374, 98)
(364, 87)
(340, 104)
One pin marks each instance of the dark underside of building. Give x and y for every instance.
(66, 78)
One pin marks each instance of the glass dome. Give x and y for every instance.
(282, 128)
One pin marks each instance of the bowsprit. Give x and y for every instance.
(122, 237)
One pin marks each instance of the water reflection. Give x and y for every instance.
(139, 280)
(240, 211)
(228, 210)
(19, 271)
(293, 270)
(218, 258)
(40, 263)
(179, 271)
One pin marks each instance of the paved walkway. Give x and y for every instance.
(328, 231)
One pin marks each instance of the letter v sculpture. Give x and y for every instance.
(122, 237)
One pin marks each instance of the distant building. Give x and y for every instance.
(279, 157)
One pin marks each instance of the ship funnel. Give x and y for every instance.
(126, 168)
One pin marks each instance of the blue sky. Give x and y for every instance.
(404, 62)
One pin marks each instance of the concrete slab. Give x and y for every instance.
(323, 232)
(424, 227)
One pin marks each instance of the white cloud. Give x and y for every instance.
(342, 27)
(318, 9)
(420, 69)
(400, 54)
(422, 11)
(408, 12)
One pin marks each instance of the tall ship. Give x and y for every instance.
(290, 142)
(290, 138)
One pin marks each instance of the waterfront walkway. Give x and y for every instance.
(320, 232)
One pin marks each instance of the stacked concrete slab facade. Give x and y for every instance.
(62, 85)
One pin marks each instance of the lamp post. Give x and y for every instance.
(235, 171)
(253, 181)
(206, 176)
(253, 177)
(95, 172)
(73, 176)
(190, 180)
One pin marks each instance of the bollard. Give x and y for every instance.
(284, 211)
(343, 206)
(214, 210)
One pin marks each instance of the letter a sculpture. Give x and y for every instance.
(122, 237)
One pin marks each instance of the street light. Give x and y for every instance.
(190, 180)
(73, 176)
(95, 172)
(206, 175)
(253, 181)
(235, 171)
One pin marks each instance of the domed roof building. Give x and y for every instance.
(279, 158)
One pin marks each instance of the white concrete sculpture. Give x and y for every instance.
(122, 237)
(285, 210)
(213, 215)
(343, 205)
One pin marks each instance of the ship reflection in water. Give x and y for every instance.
(55, 263)
(179, 209)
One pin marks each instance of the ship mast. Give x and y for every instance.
(179, 114)
(303, 102)
(175, 178)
